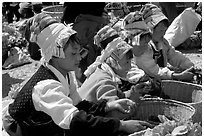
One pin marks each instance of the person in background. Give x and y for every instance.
(11, 9)
(25, 9)
(154, 60)
(37, 7)
(33, 48)
(137, 34)
(118, 9)
(49, 104)
(87, 24)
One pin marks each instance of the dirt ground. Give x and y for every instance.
(13, 79)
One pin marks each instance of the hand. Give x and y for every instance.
(131, 126)
(122, 105)
(143, 87)
(138, 90)
(187, 75)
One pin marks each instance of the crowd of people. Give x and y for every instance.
(97, 63)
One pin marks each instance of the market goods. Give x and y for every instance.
(172, 128)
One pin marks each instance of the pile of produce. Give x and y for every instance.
(168, 127)
(11, 36)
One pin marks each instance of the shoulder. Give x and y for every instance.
(102, 74)
(48, 85)
(99, 77)
(165, 42)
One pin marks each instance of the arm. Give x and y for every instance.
(108, 90)
(49, 97)
(176, 58)
(147, 63)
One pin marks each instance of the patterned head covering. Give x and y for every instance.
(117, 6)
(134, 21)
(152, 15)
(116, 48)
(134, 26)
(50, 35)
(110, 41)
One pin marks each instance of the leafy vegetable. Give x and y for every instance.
(172, 128)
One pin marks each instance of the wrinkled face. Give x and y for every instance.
(124, 64)
(72, 57)
(159, 31)
(138, 50)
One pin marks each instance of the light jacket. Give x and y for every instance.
(171, 56)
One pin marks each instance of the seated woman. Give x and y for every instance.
(49, 104)
(158, 54)
(108, 71)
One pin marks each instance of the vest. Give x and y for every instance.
(33, 122)
(158, 57)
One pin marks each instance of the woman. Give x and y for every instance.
(158, 52)
(48, 104)
(106, 75)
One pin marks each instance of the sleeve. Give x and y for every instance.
(87, 124)
(108, 90)
(177, 59)
(50, 97)
(147, 63)
(135, 74)
(96, 109)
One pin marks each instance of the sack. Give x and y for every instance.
(182, 27)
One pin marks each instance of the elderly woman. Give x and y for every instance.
(48, 104)
(158, 52)
(106, 74)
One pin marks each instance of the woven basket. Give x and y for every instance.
(185, 92)
(152, 107)
(55, 11)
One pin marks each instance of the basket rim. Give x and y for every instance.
(47, 7)
(167, 86)
(181, 82)
(169, 101)
(147, 102)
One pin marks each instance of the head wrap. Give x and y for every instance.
(117, 6)
(152, 15)
(134, 22)
(134, 26)
(116, 48)
(50, 35)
